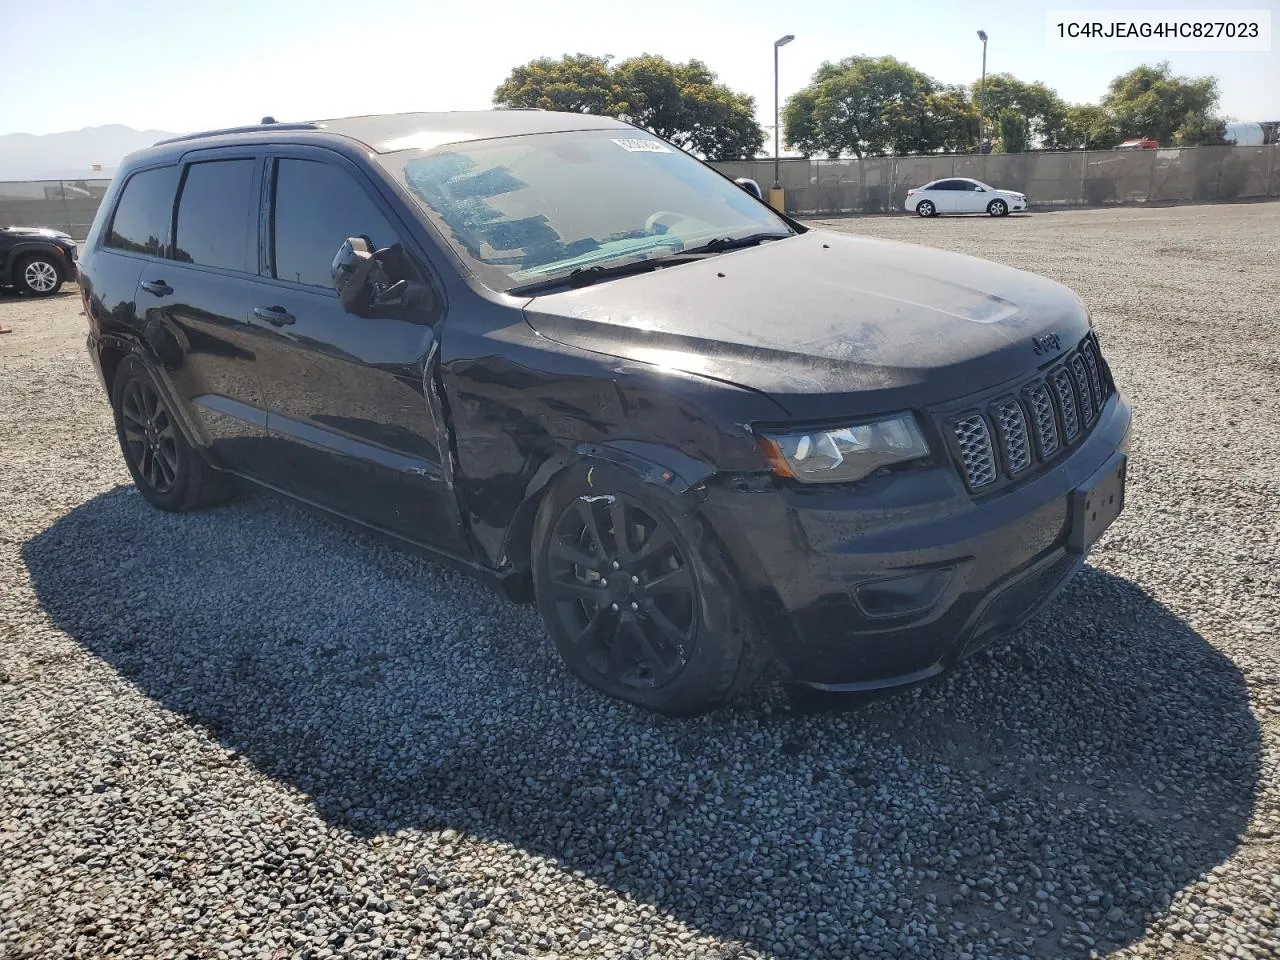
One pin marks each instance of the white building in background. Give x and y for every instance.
(1253, 134)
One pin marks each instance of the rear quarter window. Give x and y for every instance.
(140, 222)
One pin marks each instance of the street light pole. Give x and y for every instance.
(982, 86)
(777, 132)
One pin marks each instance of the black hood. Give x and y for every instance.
(42, 232)
(815, 317)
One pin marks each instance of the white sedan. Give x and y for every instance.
(959, 195)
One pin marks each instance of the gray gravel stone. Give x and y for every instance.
(249, 733)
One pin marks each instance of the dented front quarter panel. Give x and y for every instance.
(524, 407)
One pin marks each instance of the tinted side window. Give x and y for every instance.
(141, 220)
(968, 185)
(948, 185)
(213, 215)
(317, 206)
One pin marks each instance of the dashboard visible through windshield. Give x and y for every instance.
(524, 209)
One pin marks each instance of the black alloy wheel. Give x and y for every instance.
(168, 472)
(623, 592)
(149, 435)
(638, 596)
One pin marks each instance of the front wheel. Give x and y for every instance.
(37, 276)
(998, 208)
(639, 604)
(925, 208)
(168, 472)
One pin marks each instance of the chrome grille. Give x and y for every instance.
(1035, 424)
(1045, 424)
(1081, 377)
(1013, 435)
(1061, 383)
(976, 454)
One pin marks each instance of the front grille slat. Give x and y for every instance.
(1014, 441)
(1088, 351)
(1038, 422)
(1045, 423)
(975, 450)
(1081, 378)
(1060, 380)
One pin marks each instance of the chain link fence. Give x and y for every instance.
(875, 185)
(1095, 178)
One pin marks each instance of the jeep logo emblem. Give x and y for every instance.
(1049, 343)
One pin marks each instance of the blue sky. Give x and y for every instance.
(193, 65)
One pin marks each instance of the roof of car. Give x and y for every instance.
(384, 133)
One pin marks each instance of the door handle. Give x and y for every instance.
(274, 315)
(157, 287)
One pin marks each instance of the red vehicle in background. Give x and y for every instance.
(1139, 145)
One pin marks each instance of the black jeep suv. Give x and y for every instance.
(558, 352)
(36, 260)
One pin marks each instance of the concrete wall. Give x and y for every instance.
(880, 184)
(62, 204)
(875, 185)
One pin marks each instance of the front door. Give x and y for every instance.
(970, 198)
(351, 423)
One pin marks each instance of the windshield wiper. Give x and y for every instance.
(583, 276)
(721, 244)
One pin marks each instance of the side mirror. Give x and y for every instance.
(749, 185)
(370, 282)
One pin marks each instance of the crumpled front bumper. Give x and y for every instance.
(903, 575)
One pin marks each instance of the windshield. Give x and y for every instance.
(531, 208)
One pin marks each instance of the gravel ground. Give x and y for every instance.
(251, 733)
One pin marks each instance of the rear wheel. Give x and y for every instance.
(37, 275)
(165, 468)
(638, 603)
(925, 208)
(998, 208)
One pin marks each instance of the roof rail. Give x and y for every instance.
(250, 128)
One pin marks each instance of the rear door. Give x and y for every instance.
(194, 303)
(944, 195)
(351, 424)
(135, 236)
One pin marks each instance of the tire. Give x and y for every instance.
(998, 208)
(925, 208)
(168, 472)
(37, 275)
(669, 631)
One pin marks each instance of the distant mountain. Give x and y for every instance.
(71, 155)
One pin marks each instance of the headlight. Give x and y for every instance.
(844, 454)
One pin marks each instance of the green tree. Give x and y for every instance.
(1201, 131)
(1014, 131)
(1044, 110)
(576, 83)
(872, 106)
(1090, 126)
(1151, 102)
(681, 102)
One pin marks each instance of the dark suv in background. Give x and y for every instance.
(560, 353)
(36, 261)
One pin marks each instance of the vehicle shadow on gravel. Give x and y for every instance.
(1077, 775)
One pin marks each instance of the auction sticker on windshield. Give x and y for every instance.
(637, 145)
